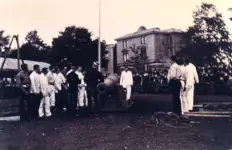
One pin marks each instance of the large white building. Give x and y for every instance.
(155, 44)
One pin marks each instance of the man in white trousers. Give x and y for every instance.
(126, 81)
(183, 79)
(192, 78)
(81, 89)
(44, 108)
(51, 82)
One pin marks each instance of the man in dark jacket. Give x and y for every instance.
(92, 79)
(23, 83)
(73, 81)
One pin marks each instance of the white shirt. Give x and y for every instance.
(182, 72)
(44, 84)
(80, 76)
(50, 77)
(192, 76)
(126, 79)
(59, 80)
(174, 72)
(35, 83)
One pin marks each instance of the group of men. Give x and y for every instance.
(182, 76)
(45, 91)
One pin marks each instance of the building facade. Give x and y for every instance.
(149, 48)
(111, 56)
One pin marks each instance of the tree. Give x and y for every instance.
(4, 40)
(76, 44)
(139, 56)
(230, 9)
(34, 49)
(207, 36)
(208, 45)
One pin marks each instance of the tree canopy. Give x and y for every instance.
(34, 48)
(4, 40)
(76, 44)
(208, 45)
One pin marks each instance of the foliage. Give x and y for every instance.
(208, 45)
(138, 57)
(34, 49)
(4, 40)
(76, 44)
(230, 9)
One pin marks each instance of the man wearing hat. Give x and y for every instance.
(92, 79)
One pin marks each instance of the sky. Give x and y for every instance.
(118, 18)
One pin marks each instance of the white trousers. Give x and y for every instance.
(128, 92)
(52, 95)
(183, 99)
(82, 97)
(190, 97)
(45, 107)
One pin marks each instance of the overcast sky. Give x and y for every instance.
(119, 17)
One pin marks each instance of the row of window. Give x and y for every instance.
(142, 41)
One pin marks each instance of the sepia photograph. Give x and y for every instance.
(116, 75)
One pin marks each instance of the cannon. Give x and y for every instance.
(110, 92)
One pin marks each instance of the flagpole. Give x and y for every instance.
(99, 38)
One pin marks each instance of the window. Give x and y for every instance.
(143, 52)
(170, 39)
(143, 40)
(125, 44)
(125, 55)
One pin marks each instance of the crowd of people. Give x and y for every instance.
(54, 90)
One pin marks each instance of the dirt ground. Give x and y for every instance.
(116, 131)
(113, 131)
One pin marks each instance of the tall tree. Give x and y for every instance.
(208, 45)
(4, 40)
(230, 9)
(76, 44)
(34, 48)
(207, 36)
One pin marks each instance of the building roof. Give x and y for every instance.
(148, 31)
(12, 64)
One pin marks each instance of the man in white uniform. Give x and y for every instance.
(59, 86)
(81, 88)
(192, 78)
(45, 102)
(51, 81)
(35, 91)
(126, 81)
(183, 79)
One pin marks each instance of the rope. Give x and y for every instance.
(170, 120)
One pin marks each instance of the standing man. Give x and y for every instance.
(81, 87)
(92, 79)
(51, 82)
(45, 101)
(23, 84)
(192, 78)
(60, 81)
(35, 92)
(73, 81)
(126, 81)
(183, 79)
(174, 83)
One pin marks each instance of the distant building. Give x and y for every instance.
(155, 44)
(112, 57)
